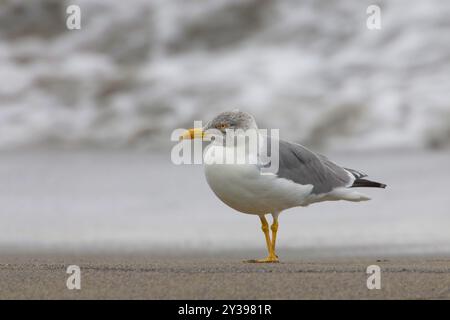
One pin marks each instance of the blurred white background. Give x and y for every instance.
(139, 68)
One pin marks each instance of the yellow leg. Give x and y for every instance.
(271, 258)
(274, 228)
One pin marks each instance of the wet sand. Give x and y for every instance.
(186, 244)
(127, 201)
(197, 277)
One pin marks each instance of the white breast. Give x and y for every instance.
(244, 188)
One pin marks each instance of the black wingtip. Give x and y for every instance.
(364, 183)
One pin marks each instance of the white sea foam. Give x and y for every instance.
(138, 69)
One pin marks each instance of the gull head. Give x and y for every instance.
(233, 120)
(218, 126)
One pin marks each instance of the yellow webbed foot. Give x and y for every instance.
(269, 259)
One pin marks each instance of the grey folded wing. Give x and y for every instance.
(300, 165)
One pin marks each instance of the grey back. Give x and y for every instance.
(300, 165)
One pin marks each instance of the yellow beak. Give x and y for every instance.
(193, 133)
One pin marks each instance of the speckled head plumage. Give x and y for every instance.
(233, 120)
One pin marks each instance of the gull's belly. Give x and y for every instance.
(242, 187)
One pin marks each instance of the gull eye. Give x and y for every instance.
(223, 126)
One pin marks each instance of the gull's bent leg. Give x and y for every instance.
(271, 258)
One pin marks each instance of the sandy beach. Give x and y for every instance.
(137, 239)
(197, 277)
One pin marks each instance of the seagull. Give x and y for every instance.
(303, 177)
